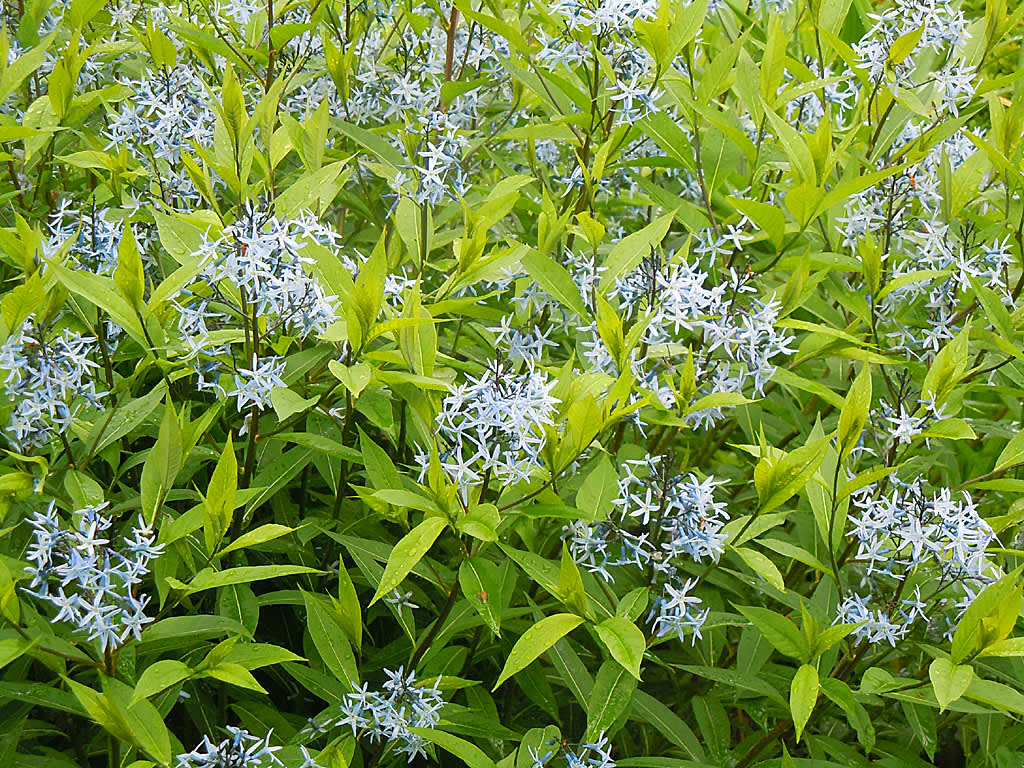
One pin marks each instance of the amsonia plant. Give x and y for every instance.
(511, 383)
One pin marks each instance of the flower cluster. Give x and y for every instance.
(664, 516)
(240, 749)
(259, 256)
(591, 26)
(403, 74)
(493, 426)
(835, 97)
(388, 714)
(438, 172)
(49, 380)
(92, 583)
(935, 262)
(942, 30)
(874, 624)
(734, 340)
(95, 234)
(596, 754)
(910, 528)
(253, 386)
(254, 274)
(168, 112)
(925, 540)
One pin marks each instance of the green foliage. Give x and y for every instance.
(511, 385)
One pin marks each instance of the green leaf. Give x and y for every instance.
(555, 279)
(354, 377)
(829, 636)
(948, 367)
(329, 637)
(145, 723)
(778, 481)
(535, 641)
(905, 44)
(668, 723)
(133, 722)
(235, 674)
(233, 106)
(276, 475)
(183, 236)
(768, 218)
(996, 694)
(499, 26)
(129, 276)
(400, 497)
(83, 490)
(348, 606)
(782, 633)
(803, 693)
(536, 740)
(101, 292)
(481, 522)
(161, 466)
(854, 413)
(259, 655)
(480, 580)
(470, 754)
(1012, 453)
(570, 584)
(211, 579)
(220, 497)
(125, 418)
(668, 135)
(950, 429)
(379, 467)
(989, 618)
(312, 191)
(598, 489)
(23, 66)
(287, 402)
(949, 680)
(801, 161)
(921, 720)
(1013, 646)
(12, 648)
(264, 533)
(625, 641)
(631, 250)
(762, 565)
(179, 629)
(610, 697)
(995, 310)
(858, 717)
(407, 553)
(159, 677)
(22, 300)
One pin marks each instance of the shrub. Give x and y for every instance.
(591, 383)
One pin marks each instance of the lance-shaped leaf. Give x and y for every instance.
(129, 277)
(407, 553)
(778, 482)
(625, 641)
(220, 497)
(854, 413)
(612, 693)
(535, 641)
(162, 465)
(470, 754)
(803, 693)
